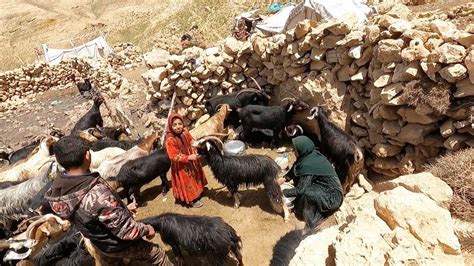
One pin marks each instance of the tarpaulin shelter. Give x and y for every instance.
(320, 10)
(95, 48)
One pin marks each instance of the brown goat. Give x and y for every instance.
(214, 125)
(110, 168)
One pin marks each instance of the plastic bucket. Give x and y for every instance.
(289, 201)
(234, 147)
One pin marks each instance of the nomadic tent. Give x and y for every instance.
(98, 47)
(320, 10)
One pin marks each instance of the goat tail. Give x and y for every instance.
(272, 187)
(236, 247)
(285, 249)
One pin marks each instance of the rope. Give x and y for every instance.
(169, 114)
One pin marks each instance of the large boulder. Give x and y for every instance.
(156, 58)
(425, 183)
(421, 216)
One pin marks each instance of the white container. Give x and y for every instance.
(289, 201)
(234, 147)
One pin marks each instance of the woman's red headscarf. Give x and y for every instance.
(183, 143)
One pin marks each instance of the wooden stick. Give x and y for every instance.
(169, 114)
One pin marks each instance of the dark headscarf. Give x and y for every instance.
(310, 161)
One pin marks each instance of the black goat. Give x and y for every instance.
(23, 152)
(210, 237)
(296, 129)
(269, 117)
(141, 171)
(106, 143)
(114, 133)
(90, 119)
(237, 100)
(339, 148)
(244, 170)
(285, 249)
(67, 250)
(84, 86)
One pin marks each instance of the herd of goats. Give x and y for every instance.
(30, 234)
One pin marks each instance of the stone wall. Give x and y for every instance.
(27, 81)
(405, 86)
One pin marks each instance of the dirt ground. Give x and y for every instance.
(255, 221)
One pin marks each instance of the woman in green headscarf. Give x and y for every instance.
(318, 190)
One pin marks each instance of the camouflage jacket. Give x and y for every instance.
(96, 210)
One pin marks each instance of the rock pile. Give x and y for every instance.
(126, 56)
(29, 80)
(406, 223)
(410, 83)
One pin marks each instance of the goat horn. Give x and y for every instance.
(220, 105)
(247, 90)
(291, 108)
(313, 112)
(288, 98)
(256, 83)
(219, 142)
(217, 134)
(300, 128)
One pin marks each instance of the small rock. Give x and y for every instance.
(450, 53)
(453, 73)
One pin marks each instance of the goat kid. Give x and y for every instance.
(35, 165)
(110, 168)
(92, 118)
(340, 149)
(269, 117)
(214, 125)
(67, 250)
(136, 173)
(210, 237)
(245, 170)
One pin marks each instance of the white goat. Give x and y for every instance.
(110, 168)
(98, 157)
(35, 165)
(15, 200)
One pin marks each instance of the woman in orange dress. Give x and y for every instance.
(187, 176)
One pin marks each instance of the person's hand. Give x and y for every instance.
(133, 208)
(151, 232)
(281, 180)
(194, 157)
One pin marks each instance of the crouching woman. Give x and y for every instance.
(318, 190)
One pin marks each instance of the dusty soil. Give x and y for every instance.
(255, 221)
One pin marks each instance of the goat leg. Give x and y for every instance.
(237, 197)
(165, 184)
(137, 196)
(286, 211)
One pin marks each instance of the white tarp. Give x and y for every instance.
(93, 49)
(324, 10)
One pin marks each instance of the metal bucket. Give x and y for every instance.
(234, 147)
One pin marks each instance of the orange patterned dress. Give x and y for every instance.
(187, 177)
